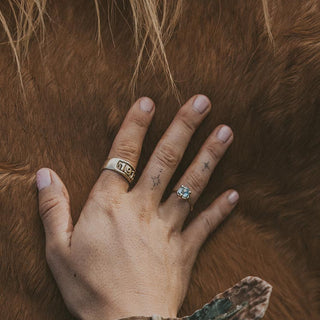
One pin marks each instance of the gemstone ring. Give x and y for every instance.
(184, 193)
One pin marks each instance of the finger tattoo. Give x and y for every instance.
(156, 180)
(205, 166)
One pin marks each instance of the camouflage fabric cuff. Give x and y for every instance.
(246, 300)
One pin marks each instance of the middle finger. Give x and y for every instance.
(170, 149)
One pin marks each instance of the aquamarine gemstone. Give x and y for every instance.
(183, 192)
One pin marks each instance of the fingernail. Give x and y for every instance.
(233, 197)
(43, 178)
(146, 104)
(201, 104)
(224, 133)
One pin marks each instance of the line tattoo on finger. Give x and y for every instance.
(156, 180)
(206, 166)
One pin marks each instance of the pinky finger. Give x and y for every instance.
(208, 220)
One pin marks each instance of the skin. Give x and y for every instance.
(127, 255)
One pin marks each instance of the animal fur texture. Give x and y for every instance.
(268, 93)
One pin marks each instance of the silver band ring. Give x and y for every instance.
(183, 193)
(121, 166)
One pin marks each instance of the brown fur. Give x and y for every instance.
(77, 101)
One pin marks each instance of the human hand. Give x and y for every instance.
(128, 255)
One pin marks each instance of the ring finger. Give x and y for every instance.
(197, 175)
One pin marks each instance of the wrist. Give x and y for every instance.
(142, 304)
(126, 311)
(131, 309)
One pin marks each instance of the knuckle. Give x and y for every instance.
(140, 121)
(47, 206)
(189, 252)
(186, 121)
(214, 152)
(147, 205)
(167, 155)
(196, 181)
(146, 211)
(224, 211)
(190, 249)
(207, 223)
(219, 213)
(104, 202)
(99, 199)
(128, 150)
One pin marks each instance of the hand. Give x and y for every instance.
(127, 255)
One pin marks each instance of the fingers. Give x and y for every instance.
(171, 147)
(54, 208)
(127, 144)
(198, 174)
(199, 229)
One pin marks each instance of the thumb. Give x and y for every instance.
(54, 207)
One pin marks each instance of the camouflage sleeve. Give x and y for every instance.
(246, 300)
